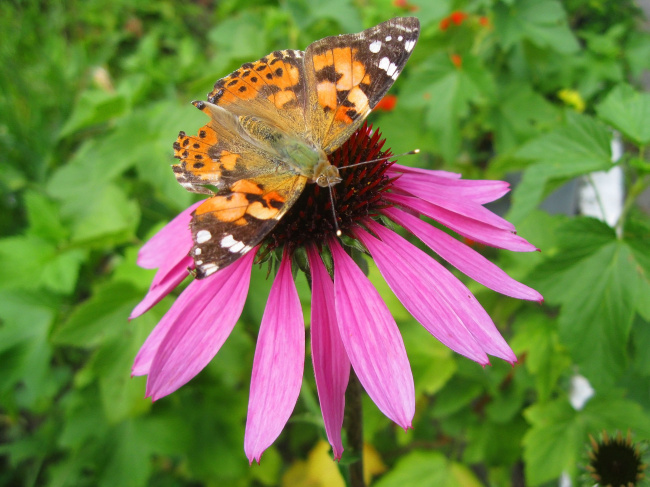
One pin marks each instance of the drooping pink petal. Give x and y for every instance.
(278, 365)
(462, 257)
(194, 329)
(163, 282)
(172, 240)
(479, 191)
(466, 207)
(331, 363)
(421, 270)
(192, 300)
(419, 294)
(372, 340)
(467, 227)
(167, 250)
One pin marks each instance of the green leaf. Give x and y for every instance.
(25, 351)
(559, 434)
(627, 110)
(93, 107)
(428, 469)
(543, 23)
(553, 443)
(637, 236)
(241, 38)
(494, 443)
(446, 91)
(61, 274)
(102, 216)
(432, 363)
(102, 317)
(596, 281)
(127, 461)
(46, 267)
(514, 126)
(580, 146)
(546, 359)
(457, 393)
(44, 219)
(122, 395)
(20, 272)
(641, 344)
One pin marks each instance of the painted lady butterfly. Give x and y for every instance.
(273, 124)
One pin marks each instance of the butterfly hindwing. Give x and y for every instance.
(232, 222)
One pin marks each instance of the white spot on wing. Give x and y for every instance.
(384, 63)
(389, 38)
(209, 269)
(234, 246)
(228, 241)
(375, 46)
(408, 45)
(203, 236)
(400, 38)
(197, 251)
(392, 69)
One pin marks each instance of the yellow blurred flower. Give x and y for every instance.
(572, 98)
(320, 470)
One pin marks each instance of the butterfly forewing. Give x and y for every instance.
(272, 88)
(347, 75)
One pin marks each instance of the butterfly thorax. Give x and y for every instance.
(300, 155)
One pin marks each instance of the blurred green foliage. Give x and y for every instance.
(92, 95)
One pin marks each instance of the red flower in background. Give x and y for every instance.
(387, 103)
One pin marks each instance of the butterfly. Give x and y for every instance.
(273, 123)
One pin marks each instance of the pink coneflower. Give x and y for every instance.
(350, 324)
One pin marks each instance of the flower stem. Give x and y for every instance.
(354, 428)
(637, 188)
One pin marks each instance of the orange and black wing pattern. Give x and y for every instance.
(231, 223)
(348, 75)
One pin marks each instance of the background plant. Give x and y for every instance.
(93, 95)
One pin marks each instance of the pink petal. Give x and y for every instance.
(331, 363)
(166, 250)
(421, 270)
(478, 191)
(193, 330)
(162, 284)
(424, 172)
(463, 258)
(277, 366)
(372, 340)
(419, 292)
(172, 240)
(467, 227)
(466, 206)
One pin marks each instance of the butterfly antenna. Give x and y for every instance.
(409, 153)
(336, 224)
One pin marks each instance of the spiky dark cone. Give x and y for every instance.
(616, 461)
(358, 195)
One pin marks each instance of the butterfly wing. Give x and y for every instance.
(272, 88)
(232, 222)
(255, 189)
(347, 75)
